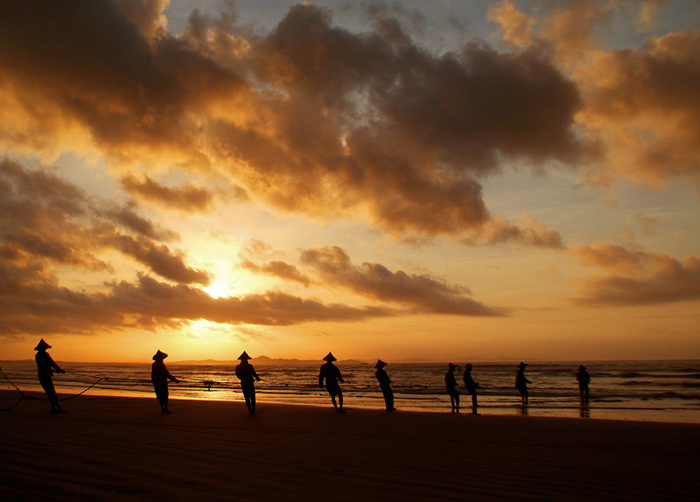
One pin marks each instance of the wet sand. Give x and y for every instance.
(115, 448)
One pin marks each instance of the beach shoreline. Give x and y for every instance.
(657, 391)
(117, 448)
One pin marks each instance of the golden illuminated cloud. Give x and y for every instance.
(637, 277)
(421, 292)
(640, 112)
(310, 118)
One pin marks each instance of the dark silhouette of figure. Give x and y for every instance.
(521, 384)
(385, 385)
(471, 386)
(45, 368)
(160, 376)
(451, 387)
(331, 374)
(247, 375)
(583, 379)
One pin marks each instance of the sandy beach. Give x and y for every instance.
(113, 448)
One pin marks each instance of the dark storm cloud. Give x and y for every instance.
(637, 277)
(421, 292)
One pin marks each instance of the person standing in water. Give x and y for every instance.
(521, 384)
(470, 385)
(584, 379)
(45, 368)
(160, 376)
(451, 387)
(331, 374)
(247, 375)
(385, 385)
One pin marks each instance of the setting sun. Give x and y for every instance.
(382, 182)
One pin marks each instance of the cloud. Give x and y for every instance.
(637, 277)
(308, 118)
(648, 11)
(420, 292)
(159, 259)
(277, 268)
(639, 117)
(47, 222)
(517, 28)
(41, 307)
(643, 109)
(90, 67)
(128, 218)
(185, 197)
(315, 119)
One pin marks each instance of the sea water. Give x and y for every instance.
(623, 390)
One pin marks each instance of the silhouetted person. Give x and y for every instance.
(470, 385)
(385, 385)
(331, 374)
(521, 383)
(583, 379)
(160, 376)
(246, 373)
(45, 368)
(451, 386)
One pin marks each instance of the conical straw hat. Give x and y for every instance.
(42, 345)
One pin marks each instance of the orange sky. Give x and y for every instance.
(498, 180)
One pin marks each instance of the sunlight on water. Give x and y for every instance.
(620, 390)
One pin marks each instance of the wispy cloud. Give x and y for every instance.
(420, 292)
(185, 197)
(47, 223)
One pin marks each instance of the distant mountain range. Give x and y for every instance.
(268, 361)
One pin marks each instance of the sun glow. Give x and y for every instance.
(219, 289)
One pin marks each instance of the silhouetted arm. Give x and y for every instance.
(54, 365)
(321, 376)
(170, 377)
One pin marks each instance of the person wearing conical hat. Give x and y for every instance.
(451, 387)
(160, 376)
(247, 375)
(471, 386)
(385, 385)
(521, 384)
(331, 374)
(45, 369)
(584, 379)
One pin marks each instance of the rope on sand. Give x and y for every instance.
(24, 396)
